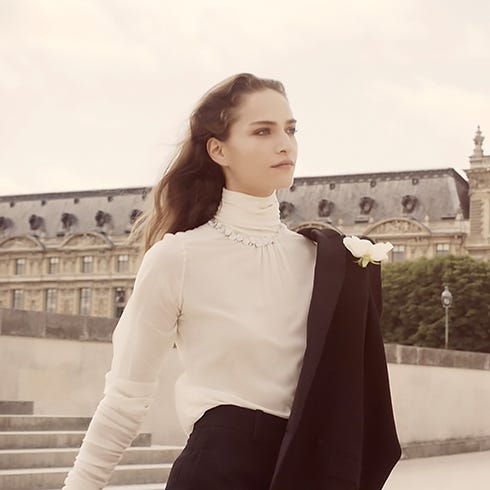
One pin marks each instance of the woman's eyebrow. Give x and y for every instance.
(272, 123)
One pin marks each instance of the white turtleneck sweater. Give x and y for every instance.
(234, 295)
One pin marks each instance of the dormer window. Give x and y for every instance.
(5, 223)
(68, 220)
(35, 222)
(286, 209)
(366, 204)
(325, 208)
(409, 203)
(103, 221)
(134, 215)
(101, 218)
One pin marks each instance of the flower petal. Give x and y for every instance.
(380, 250)
(356, 246)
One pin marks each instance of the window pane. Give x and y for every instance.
(19, 266)
(442, 248)
(398, 253)
(85, 300)
(53, 265)
(18, 299)
(122, 263)
(120, 301)
(51, 295)
(87, 263)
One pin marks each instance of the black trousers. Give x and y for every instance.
(230, 448)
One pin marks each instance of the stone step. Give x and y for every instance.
(145, 486)
(47, 478)
(53, 439)
(139, 474)
(44, 458)
(42, 422)
(149, 486)
(16, 407)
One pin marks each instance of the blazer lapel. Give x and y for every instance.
(328, 280)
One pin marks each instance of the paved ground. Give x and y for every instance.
(466, 471)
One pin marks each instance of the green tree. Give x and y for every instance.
(412, 310)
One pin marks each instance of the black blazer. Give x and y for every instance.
(341, 432)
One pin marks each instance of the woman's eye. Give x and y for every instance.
(265, 131)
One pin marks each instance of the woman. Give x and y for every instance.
(226, 281)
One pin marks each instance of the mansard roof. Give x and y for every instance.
(423, 195)
(63, 213)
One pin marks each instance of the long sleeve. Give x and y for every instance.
(144, 333)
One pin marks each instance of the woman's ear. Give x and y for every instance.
(215, 151)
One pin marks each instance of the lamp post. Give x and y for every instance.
(447, 301)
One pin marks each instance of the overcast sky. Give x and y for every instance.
(95, 94)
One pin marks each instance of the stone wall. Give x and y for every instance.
(59, 362)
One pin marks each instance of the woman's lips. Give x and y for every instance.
(284, 164)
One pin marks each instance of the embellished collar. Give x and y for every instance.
(248, 219)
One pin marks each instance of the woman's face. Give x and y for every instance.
(262, 136)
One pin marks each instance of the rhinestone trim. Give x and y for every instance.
(252, 241)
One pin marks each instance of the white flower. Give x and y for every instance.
(366, 251)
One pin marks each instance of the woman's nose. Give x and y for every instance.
(283, 143)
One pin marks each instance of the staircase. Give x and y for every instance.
(37, 451)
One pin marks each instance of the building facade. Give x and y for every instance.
(68, 252)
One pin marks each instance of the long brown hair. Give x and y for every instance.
(190, 190)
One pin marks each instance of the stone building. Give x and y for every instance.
(68, 252)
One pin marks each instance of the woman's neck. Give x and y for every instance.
(249, 214)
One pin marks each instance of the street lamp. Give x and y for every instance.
(447, 301)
